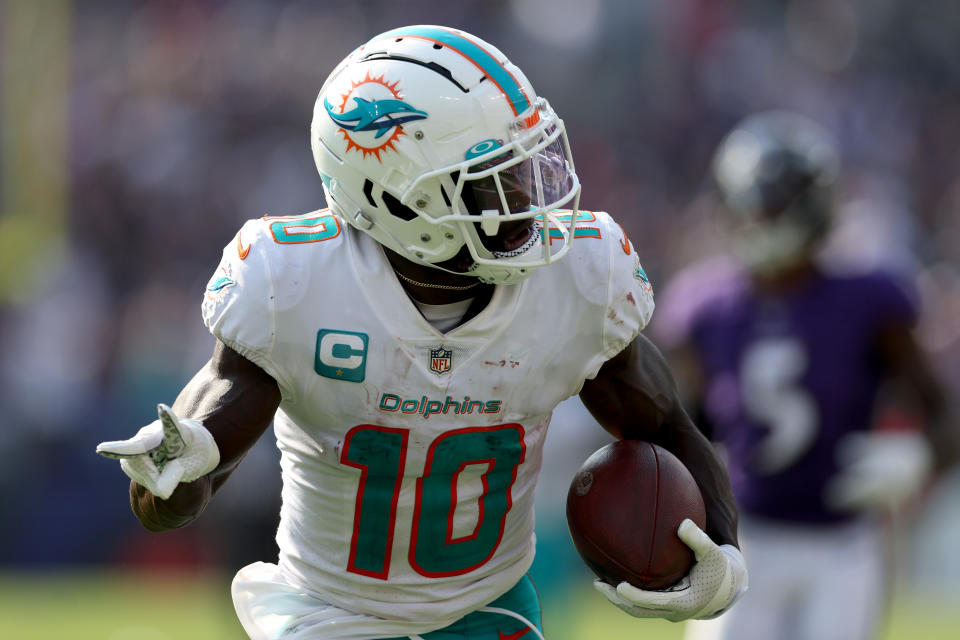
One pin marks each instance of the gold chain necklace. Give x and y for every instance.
(431, 285)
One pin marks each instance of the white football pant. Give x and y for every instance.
(806, 583)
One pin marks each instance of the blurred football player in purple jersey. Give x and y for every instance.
(787, 360)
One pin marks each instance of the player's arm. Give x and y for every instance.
(688, 372)
(881, 470)
(908, 365)
(634, 396)
(235, 400)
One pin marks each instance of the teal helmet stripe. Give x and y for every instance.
(476, 54)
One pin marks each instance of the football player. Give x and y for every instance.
(409, 344)
(787, 358)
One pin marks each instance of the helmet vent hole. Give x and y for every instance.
(399, 40)
(368, 191)
(433, 66)
(397, 209)
(437, 45)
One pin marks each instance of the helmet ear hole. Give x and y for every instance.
(398, 209)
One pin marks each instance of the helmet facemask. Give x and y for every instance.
(505, 201)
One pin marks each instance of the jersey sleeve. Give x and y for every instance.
(690, 295)
(893, 302)
(627, 291)
(239, 302)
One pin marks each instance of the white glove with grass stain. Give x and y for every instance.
(165, 453)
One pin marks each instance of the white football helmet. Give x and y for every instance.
(431, 141)
(775, 173)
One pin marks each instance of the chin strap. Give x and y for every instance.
(535, 235)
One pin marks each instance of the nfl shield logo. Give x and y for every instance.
(441, 360)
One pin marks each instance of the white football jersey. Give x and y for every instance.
(410, 456)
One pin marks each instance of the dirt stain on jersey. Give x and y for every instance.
(612, 315)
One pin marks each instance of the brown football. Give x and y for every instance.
(623, 509)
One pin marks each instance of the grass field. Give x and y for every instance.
(118, 606)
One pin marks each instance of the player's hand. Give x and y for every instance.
(165, 453)
(717, 580)
(879, 470)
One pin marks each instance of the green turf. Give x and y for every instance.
(594, 618)
(118, 606)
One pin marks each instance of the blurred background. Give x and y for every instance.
(136, 137)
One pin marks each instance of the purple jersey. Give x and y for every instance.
(786, 376)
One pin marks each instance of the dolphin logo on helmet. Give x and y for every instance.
(374, 115)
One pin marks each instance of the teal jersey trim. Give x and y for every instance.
(475, 54)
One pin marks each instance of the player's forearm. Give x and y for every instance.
(235, 401)
(682, 438)
(183, 507)
(907, 364)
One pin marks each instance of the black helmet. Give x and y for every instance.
(774, 173)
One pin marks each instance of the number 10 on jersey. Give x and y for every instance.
(380, 454)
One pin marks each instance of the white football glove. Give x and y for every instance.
(880, 470)
(715, 582)
(165, 453)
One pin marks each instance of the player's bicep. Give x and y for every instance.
(633, 393)
(234, 399)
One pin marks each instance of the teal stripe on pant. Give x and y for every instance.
(483, 625)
